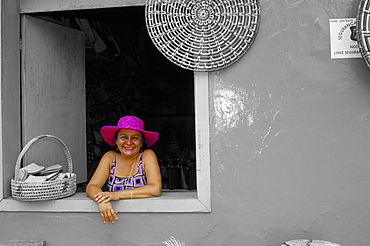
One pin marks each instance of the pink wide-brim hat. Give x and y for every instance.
(128, 122)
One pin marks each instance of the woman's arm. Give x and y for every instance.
(153, 174)
(100, 176)
(107, 211)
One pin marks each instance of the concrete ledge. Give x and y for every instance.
(185, 201)
(14, 242)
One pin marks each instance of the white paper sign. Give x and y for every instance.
(343, 38)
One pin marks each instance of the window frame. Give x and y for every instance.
(10, 124)
(169, 201)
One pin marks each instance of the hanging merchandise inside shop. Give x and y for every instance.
(127, 75)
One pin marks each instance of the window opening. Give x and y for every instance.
(127, 75)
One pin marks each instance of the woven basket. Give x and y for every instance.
(202, 35)
(48, 190)
(363, 30)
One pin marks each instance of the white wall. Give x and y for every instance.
(289, 148)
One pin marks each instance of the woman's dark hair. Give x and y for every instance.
(144, 145)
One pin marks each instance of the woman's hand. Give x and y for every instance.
(104, 197)
(107, 212)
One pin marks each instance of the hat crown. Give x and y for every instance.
(128, 122)
(131, 122)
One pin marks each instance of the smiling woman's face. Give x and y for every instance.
(129, 141)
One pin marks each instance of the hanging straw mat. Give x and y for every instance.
(363, 30)
(202, 35)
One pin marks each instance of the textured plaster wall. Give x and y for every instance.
(290, 148)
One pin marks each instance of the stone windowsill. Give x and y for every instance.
(169, 201)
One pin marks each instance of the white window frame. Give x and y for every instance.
(10, 136)
(169, 201)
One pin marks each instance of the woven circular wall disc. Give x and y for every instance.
(363, 30)
(202, 35)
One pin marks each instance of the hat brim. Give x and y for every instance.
(108, 133)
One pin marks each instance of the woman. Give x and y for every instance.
(131, 170)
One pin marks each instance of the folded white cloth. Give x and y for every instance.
(33, 178)
(21, 175)
(36, 173)
(52, 176)
(51, 169)
(33, 168)
(60, 176)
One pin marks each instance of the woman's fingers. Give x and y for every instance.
(102, 197)
(110, 217)
(108, 213)
(106, 197)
